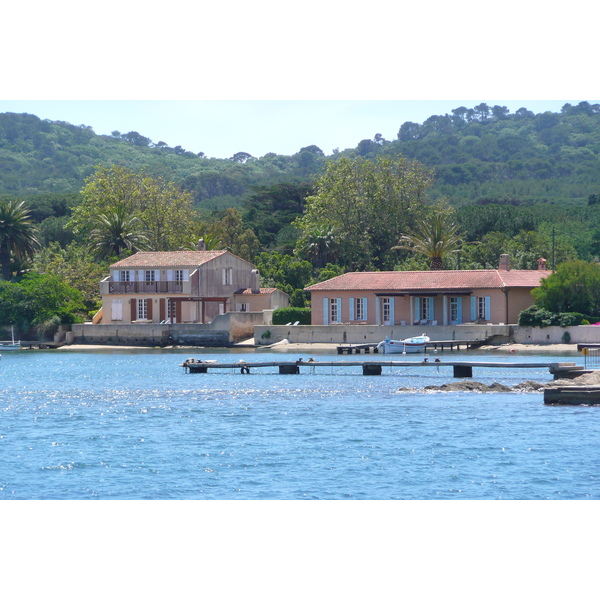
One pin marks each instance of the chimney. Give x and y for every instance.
(541, 264)
(255, 281)
(504, 263)
(201, 244)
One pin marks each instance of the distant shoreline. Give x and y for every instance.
(565, 349)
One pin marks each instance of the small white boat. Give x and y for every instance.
(11, 345)
(407, 346)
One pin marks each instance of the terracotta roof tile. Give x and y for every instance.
(430, 280)
(265, 291)
(183, 258)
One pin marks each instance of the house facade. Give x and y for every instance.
(494, 296)
(183, 287)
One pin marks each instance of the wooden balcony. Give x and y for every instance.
(144, 287)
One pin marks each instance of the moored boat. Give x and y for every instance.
(409, 345)
(11, 345)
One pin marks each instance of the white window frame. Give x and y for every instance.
(360, 305)
(228, 276)
(386, 310)
(142, 309)
(335, 310)
(179, 275)
(149, 276)
(124, 276)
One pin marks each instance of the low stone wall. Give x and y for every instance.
(372, 334)
(581, 334)
(224, 330)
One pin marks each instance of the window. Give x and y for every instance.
(142, 309)
(423, 309)
(360, 304)
(455, 310)
(149, 276)
(387, 311)
(334, 310)
(179, 275)
(227, 276)
(481, 305)
(171, 310)
(480, 308)
(124, 276)
(243, 307)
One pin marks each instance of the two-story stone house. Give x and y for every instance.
(183, 287)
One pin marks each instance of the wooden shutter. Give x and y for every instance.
(149, 305)
(161, 310)
(473, 308)
(486, 301)
(133, 306)
(351, 308)
(325, 311)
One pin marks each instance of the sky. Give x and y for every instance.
(220, 128)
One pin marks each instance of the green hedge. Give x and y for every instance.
(536, 316)
(282, 316)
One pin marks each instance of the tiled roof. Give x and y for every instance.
(415, 281)
(261, 291)
(181, 258)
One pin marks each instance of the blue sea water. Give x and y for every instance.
(118, 424)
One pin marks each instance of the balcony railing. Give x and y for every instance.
(144, 287)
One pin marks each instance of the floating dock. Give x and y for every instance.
(439, 344)
(375, 367)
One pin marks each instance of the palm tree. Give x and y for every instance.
(115, 232)
(319, 245)
(436, 237)
(17, 235)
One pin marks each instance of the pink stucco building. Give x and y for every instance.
(494, 296)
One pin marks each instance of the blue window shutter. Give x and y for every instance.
(487, 308)
(365, 309)
(325, 311)
(351, 308)
(459, 309)
(377, 320)
(430, 309)
(339, 309)
(392, 303)
(473, 308)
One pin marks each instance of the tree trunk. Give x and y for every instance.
(436, 263)
(5, 262)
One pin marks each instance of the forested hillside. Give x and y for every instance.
(480, 154)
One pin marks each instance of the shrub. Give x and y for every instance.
(536, 316)
(282, 316)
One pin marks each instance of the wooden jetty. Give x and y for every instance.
(435, 345)
(375, 367)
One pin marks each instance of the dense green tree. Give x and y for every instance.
(37, 298)
(17, 235)
(283, 271)
(76, 266)
(369, 204)
(572, 288)
(164, 210)
(235, 235)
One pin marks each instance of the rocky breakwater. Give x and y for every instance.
(581, 390)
